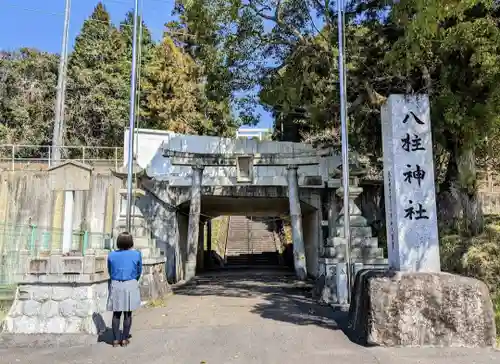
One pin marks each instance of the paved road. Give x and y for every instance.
(241, 319)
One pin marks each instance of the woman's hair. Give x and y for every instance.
(124, 241)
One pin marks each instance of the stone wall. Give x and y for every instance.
(58, 308)
(153, 283)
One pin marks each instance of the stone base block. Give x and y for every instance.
(325, 288)
(58, 309)
(421, 309)
(153, 283)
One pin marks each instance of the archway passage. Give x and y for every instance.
(245, 232)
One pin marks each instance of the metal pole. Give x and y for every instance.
(130, 152)
(138, 86)
(57, 137)
(345, 143)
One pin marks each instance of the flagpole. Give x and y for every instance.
(130, 142)
(344, 142)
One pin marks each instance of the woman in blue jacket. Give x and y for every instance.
(125, 269)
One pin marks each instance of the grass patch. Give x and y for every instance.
(477, 257)
(159, 302)
(496, 305)
(4, 309)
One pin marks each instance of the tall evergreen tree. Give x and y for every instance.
(28, 80)
(97, 94)
(221, 38)
(173, 93)
(145, 50)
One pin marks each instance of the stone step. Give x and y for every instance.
(233, 254)
(244, 236)
(248, 242)
(355, 241)
(248, 237)
(251, 247)
(250, 250)
(363, 253)
(357, 231)
(356, 220)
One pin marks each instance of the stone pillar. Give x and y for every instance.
(355, 216)
(326, 286)
(194, 223)
(296, 217)
(57, 220)
(4, 213)
(69, 202)
(109, 213)
(201, 248)
(332, 215)
(209, 243)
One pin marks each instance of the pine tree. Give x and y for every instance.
(98, 89)
(174, 96)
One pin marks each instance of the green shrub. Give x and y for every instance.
(477, 257)
(496, 304)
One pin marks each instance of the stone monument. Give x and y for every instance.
(413, 303)
(332, 286)
(60, 293)
(410, 196)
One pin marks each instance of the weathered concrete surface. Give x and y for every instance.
(242, 319)
(153, 283)
(421, 309)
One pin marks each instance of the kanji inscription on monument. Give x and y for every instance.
(410, 197)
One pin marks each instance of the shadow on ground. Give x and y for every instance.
(282, 297)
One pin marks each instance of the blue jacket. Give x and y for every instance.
(125, 265)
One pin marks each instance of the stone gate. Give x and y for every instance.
(180, 183)
(191, 179)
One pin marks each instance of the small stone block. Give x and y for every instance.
(413, 309)
(341, 283)
(100, 265)
(89, 264)
(73, 265)
(39, 266)
(56, 264)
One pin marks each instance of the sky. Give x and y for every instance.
(39, 24)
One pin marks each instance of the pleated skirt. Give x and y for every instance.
(124, 296)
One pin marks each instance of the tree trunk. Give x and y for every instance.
(458, 201)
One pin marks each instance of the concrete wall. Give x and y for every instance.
(147, 142)
(152, 143)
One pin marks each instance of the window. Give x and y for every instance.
(244, 165)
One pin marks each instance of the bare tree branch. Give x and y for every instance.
(277, 18)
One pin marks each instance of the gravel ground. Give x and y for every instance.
(243, 317)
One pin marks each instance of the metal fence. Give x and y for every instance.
(38, 157)
(39, 241)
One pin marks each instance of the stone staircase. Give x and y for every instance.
(250, 243)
